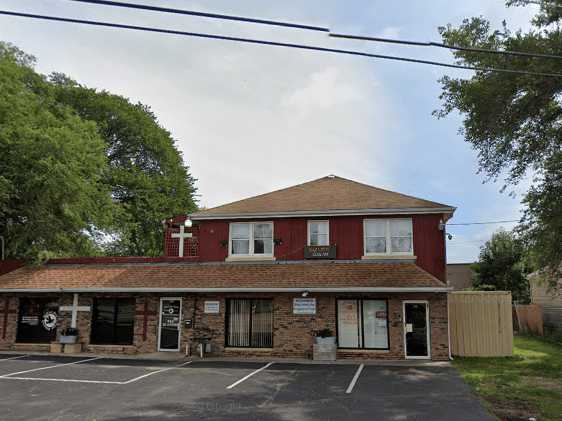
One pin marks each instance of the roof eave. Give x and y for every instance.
(229, 289)
(330, 212)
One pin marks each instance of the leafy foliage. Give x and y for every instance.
(514, 121)
(82, 172)
(501, 267)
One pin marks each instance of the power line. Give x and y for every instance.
(203, 14)
(485, 223)
(278, 44)
(447, 46)
(312, 28)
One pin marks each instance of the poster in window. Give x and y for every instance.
(375, 324)
(348, 324)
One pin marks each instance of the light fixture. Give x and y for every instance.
(304, 294)
(188, 222)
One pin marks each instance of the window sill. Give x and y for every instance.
(389, 257)
(249, 258)
(364, 350)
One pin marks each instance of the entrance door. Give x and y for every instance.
(416, 329)
(170, 324)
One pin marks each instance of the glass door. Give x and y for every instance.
(416, 329)
(170, 324)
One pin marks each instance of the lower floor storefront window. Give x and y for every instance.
(249, 323)
(362, 323)
(113, 321)
(37, 321)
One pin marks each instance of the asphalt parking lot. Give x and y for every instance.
(100, 388)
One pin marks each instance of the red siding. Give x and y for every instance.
(346, 232)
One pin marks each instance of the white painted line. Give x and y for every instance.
(153, 373)
(12, 358)
(248, 376)
(60, 380)
(355, 378)
(50, 366)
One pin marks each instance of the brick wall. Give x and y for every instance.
(293, 335)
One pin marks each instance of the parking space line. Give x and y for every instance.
(153, 372)
(249, 375)
(355, 378)
(41, 379)
(12, 358)
(50, 366)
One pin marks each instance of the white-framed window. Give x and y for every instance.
(318, 233)
(251, 239)
(392, 236)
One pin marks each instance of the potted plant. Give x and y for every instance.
(68, 336)
(325, 336)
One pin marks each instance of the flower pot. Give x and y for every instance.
(329, 340)
(68, 339)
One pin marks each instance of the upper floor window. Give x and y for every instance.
(251, 238)
(318, 233)
(388, 236)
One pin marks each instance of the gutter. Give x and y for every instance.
(333, 212)
(203, 290)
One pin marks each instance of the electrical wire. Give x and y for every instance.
(277, 44)
(203, 14)
(447, 46)
(485, 223)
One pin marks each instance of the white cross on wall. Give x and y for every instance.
(182, 235)
(74, 308)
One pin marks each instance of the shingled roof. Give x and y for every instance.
(313, 276)
(327, 195)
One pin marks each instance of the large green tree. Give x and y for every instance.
(501, 266)
(52, 163)
(82, 171)
(514, 121)
(147, 177)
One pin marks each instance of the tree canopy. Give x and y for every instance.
(514, 121)
(501, 267)
(82, 171)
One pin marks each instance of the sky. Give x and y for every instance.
(251, 118)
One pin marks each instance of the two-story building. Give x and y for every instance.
(257, 277)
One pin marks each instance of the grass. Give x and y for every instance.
(528, 384)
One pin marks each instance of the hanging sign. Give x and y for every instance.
(49, 320)
(320, 252)
(304, 306)
(212, 307)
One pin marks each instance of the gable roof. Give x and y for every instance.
(195, 277)
(325, 196)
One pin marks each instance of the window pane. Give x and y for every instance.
(263, 247)
(240, 246)
(348, 324)
(400, 228)
(318, 227)
(113, 321)
(125, 321)
(401, 244)
(319, 240)
(375, 324)
(375, 228)
(263, 231)
(239, 322)
(240, 231)
(375, 245)
(33, 312)
(262, 324)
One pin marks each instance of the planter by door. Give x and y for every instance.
(170, 324)
(416, 329)
(329, 340)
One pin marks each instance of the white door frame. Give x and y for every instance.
(162, 299)
(427, 330)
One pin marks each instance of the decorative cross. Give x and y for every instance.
(74, 308)
(145, 315)
(182, 235)
(6, 312)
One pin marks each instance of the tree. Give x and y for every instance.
(52, 163)
(147, 176)
(514, 121)
(501, 267)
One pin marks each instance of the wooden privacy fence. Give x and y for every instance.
(481, 323)
(528, 318)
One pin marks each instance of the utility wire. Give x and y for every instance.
(447, 46)
(485, 223)
(203, 14)
(313, 28)
(278, 44)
